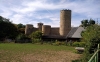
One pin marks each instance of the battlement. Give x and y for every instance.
(65, 10)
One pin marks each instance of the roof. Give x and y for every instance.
(75, 32)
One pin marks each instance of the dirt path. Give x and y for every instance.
(50, 56)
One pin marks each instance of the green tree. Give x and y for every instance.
(20, 25)
(86, 22)
(91, 22)
(21, 28)
(7, 29)
(36, 36)
(92, 37)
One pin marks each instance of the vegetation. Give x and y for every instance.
(36, 37)
(20, 25)
(92, 37)
(79, 44)
(85, 23)
(21, 28)
(58, 43)
(22, 38)
(7, 29)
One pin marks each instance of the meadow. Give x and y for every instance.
(14, 52)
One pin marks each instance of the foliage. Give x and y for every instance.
(86, 22)
(22, 38)
(57, 43)
(92, 37)
(20, 25)
(36, 36)
(7, 29)
(36, 41)
(79, 44)
(22, 30)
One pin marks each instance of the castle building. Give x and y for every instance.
(53, 32)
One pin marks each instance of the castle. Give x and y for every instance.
(65, 31)
(47, 30)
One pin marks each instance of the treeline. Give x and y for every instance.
(16, 32)
(9, 30)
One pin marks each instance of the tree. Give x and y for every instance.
(20, 25)
(92, 37)
(36, 36)
(21, 28)
(7, 29)
(86, 22)
(91, 22)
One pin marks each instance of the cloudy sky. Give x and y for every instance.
(48, 11)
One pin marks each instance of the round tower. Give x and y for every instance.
(28, 29)
(65, 22)
(40, 26)
(46, 29)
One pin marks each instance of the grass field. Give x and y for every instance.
(11, 52)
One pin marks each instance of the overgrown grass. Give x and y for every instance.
(13, 52)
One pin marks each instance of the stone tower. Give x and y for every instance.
(65, 22)
(28, 29)
(40, 26)
(46, 29)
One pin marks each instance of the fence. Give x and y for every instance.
(95, 56)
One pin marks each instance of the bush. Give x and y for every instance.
(21, 38)
(57, 43)
(79, 44)
(36, 41)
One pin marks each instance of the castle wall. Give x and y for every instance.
(54, 31)
(65, 22)
(46, 29)
(35, 29)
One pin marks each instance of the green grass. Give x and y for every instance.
(12, 52)
(33, 47)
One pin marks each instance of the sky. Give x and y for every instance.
(48, 11)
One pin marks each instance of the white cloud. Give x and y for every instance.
(25, 11)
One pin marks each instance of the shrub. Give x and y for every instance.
(57, 43)
(36, 41)
(21, 38)
(79, 44)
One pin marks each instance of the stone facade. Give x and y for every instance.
(65, 22)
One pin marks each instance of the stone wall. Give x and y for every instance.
(54, 31)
